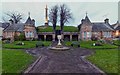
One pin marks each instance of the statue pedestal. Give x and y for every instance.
(59, 46)
(59, 38)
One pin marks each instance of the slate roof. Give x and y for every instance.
(101, 27)
(116, 26)
(4, 25)
(29, 21)
(87, 19)
(15, 27)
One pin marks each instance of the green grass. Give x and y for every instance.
(0, 60)
(15, 61)
(28, 44)
(106, 60)
(0, 57)
(66, 29)
(88, 45)
(117, 42)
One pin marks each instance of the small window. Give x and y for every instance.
(88, 34)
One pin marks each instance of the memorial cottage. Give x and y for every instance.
(98, 30)
(11, 29)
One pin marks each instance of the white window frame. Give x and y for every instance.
(89, 34)
(107, 34)
(84, 34)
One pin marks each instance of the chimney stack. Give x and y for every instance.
(106, 21)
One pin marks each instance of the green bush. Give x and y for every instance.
(16, 37)
(22, 37)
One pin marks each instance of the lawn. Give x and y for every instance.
(0, 60)
(0, 57)
(88, 45)
(66, 29)
(15, 61)
(106, 60)
(28, 44)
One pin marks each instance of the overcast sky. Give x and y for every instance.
(97, 11)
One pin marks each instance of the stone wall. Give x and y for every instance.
(28, 29)
(85, 28)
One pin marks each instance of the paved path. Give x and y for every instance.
(69, 61)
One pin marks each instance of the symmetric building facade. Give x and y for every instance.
(86, 30)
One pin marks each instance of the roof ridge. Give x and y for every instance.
(97, 22)
(87, 19)
(29, 21)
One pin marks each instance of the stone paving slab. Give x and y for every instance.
(70, 61)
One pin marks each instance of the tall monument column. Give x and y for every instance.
(46, 16)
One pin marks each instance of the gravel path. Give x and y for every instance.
(70, 61)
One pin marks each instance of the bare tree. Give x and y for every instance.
(53, 16)
(4, 19)
(15, 16)
(65, 15)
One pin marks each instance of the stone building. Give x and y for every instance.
(99, 30)
(11, 29)
(29, 29)
(116, 27)
(85, 29)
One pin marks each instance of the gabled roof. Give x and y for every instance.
(29, 21)
(87, 19)
(15, 27)
(116, 26)
(101, 27)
